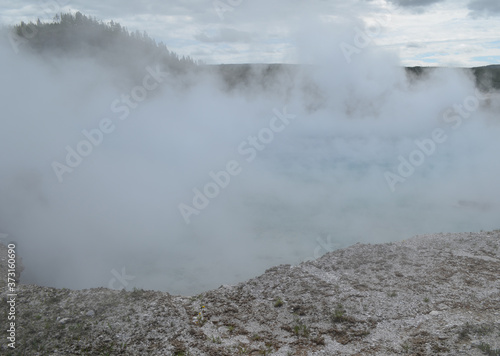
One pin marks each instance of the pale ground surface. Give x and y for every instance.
(429, 295)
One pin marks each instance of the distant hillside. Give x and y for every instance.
(489, 75)
(486, 77)
(82, 36)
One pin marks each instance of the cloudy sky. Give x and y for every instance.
(422, 32)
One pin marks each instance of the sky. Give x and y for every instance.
(421, 32)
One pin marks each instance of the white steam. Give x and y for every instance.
(323, 174)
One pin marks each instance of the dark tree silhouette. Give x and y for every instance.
(80, 35)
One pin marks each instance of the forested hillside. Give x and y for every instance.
(82, 36)
(488, 76)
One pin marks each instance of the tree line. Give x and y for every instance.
(81, 35)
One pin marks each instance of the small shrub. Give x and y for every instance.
(468, 329)
(338, 315)
(255, 337)
(278, 303)
(216, 340)
(465, 331)
(301, 330)
(267, 350)
(487, 350)
(137, 293)
(242, 350)
(405, 347)
(200, 318)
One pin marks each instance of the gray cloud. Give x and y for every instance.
(415, 3)
(481, 8)
(415, 45)
(226, 35)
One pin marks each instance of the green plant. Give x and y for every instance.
(301, 330)
(230, 328)
(200, 318)
(464, 332)
(483, 329)
(487, 350)
(278, 303)
(405, 347)
(216, 340)
(392, 294)
(338, 315)
(468, 329)
(255, 337)
(242, 350)
(267, 350)
(137, 293)
(426, 300)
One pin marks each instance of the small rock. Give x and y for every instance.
(64, 320)
(90, 313)
(434, 312)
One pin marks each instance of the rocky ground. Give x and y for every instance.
(428, 295)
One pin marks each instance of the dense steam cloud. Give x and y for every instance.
(359, 161)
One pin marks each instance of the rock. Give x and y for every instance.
(90, 313)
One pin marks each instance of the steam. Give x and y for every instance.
(323, 174)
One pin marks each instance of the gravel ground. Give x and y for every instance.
(428, 295)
